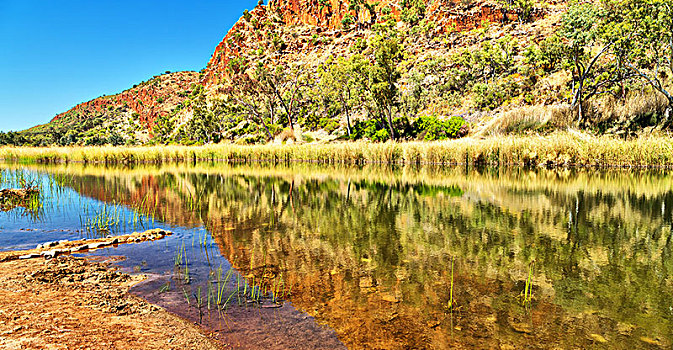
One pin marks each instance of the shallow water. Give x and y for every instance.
(373, 256)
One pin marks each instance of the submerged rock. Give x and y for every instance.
(598, 338)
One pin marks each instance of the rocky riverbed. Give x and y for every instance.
(67, 302)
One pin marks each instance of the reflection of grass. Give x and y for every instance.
(23, 191)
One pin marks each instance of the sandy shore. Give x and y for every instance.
(79, 303)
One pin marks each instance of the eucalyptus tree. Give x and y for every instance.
(244, 94)
(643, 32)
(385, 72)
(339, 81)
(581, 28)
(286, 86)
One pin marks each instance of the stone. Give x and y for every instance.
(521, 327)
(389, 298)
(625, 328)
(650, 341)
(79, 248)
(97, 245)
(50, 254)
(30, 256)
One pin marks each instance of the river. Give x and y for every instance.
(312, 257)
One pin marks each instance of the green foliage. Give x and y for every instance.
(385, 72)
(492, 59)
(413, 11)
(523, 8)
(12, 138)
(237, 64)
(430, 128)
(347, 21)
(436, 129)
(642, 33)
(549, 55)
(95, 140)
(495, 94)
(115, 139)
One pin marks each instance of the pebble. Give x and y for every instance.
(521, 327)
(650, 341)
(598, 338)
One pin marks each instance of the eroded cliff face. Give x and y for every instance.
(286, 29)
(145, 102)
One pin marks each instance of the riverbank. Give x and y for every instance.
(563, 149)
(68, 302)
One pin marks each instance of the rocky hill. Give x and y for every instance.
(128, 116)
(469, 61)
(303, 27)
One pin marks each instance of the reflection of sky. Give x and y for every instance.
(64, 214)
(58, 219)
(584, 242)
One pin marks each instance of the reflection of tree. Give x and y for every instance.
(339, 238)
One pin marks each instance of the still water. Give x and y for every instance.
(378, 257)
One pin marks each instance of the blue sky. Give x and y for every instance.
(56, 54)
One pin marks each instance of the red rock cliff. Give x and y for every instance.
(327, 15)
(149, 100)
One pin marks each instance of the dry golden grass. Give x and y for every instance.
(529, 118)
(558, 149)
(635, 104)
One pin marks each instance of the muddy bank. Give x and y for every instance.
(69, 302)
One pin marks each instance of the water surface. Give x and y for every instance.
(389, 258)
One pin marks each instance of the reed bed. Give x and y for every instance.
(558, 149)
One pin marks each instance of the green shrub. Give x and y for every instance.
(328, 124)
(381, 135)
(431, 128)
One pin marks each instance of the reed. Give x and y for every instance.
(103, 220)
(451, 303)
(527, 293)
(568, 148)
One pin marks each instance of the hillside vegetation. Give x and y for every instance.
(319, 70)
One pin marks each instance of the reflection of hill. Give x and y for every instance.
(368, 250)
